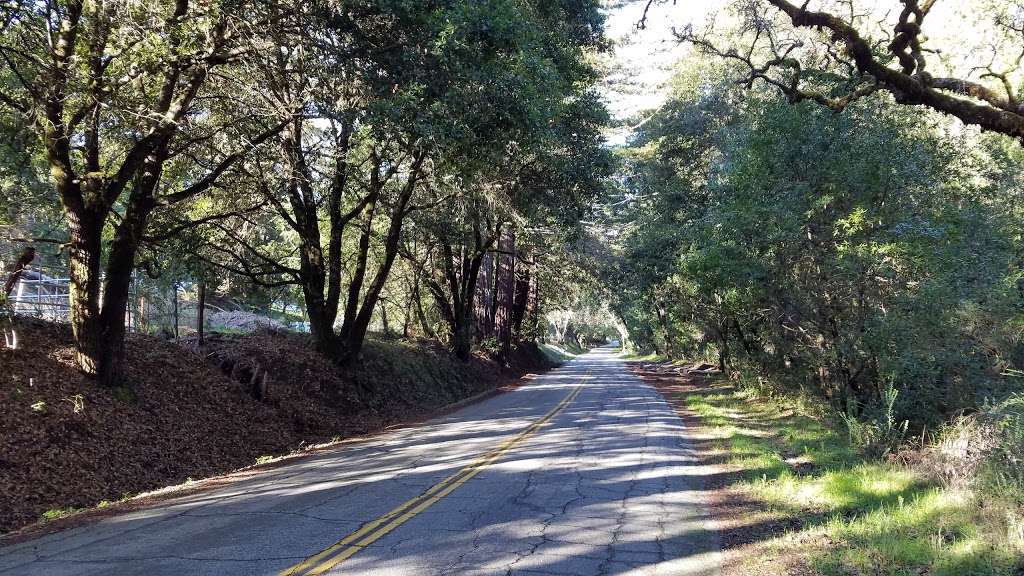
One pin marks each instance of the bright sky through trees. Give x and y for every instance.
(643, 60)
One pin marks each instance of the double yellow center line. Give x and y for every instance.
(372, 531)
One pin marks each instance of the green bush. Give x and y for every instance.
(885, 264)
(1002, 472)
(490, 346)
(875, 431)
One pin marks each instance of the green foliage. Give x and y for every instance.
(873, 256)
(55, 513)
(876, 432)
(1001, 475)
(283, 154)
(876, 517)
(558, 354)
(490, 346)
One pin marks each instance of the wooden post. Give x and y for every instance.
(200, 316)
(141, 316)
(174, 287)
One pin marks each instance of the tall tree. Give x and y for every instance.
(835, 53)
(113, 92)
(851, 254)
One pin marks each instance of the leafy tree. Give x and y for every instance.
(115, 94)
(836, 53)
(851, 254)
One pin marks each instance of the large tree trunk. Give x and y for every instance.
(84, 291)
(112, 315)
(354, 335)
(320, 278)
(321, 316)
(485, 299)
(456, 302)
(533, 303)
(90, 188)
(521, 300)
(117, 284)
(385, 324)
(666, 328)
(504, 286)
(353, 331)
(407, 319)
(462, 337)
(421, 315)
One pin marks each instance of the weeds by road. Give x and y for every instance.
(794, 497)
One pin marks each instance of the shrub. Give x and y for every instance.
(956, 453)
(1002, 471)
(876, 432)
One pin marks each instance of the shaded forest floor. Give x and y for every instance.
(195, 412)
(791, 497)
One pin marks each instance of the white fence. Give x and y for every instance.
(41, 296)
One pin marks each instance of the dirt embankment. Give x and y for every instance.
(196, 411)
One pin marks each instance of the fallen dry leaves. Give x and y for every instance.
(67, 443)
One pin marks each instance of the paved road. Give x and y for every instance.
(584, 471)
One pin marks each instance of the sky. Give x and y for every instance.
(641, 65)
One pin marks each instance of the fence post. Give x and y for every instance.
(174, 287)
(201, 316)
(21, 294)
(131, 298)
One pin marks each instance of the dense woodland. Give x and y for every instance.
(830, 201)
(367, 157)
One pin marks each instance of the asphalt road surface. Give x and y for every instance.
(585, 471)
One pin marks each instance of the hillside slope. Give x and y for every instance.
(194, 411)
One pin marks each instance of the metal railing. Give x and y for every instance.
(40, 293)
(41, 296)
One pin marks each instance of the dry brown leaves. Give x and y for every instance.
(65, 442)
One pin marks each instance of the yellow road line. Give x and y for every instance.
(372, 531)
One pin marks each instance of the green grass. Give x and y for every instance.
(54, 513)
(645, 356)
(575, 349)
(561, 353)
(879, 518)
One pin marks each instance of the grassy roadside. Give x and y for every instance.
(642, 357)
(560, 353)
(798, 499)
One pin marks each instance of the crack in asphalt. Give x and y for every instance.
(578, 442)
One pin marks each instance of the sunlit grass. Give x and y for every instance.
(878, 517)
(937, 529)
(54, 513)
(644, 356)
(559, 353)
